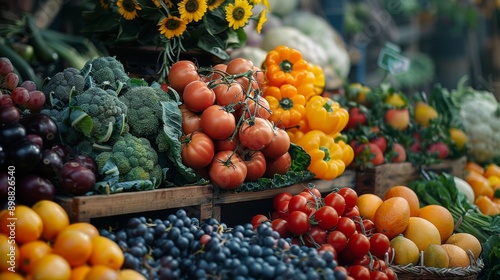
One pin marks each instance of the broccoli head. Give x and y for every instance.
(99, 115)
(107, 71)
(144, 115)
(134, 158)
(61, 85)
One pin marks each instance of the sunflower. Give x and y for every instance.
(104, 4)
(172, 26)
(214, 4)
(128, 8)
(238, 14)
(168, 3)
(262, 20)
(192, 10)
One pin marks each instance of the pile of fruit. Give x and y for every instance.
(485, 183)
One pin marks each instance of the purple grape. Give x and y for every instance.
(29, 85)
(20, 96)
(6, 66)
(36, 101)
(11, 81)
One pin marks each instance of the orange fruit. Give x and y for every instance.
(79, 272)
(405, 251)
(458, 257)
(440, 217)
(74, 246)
(474, 167)
(392, 216)
(11, 276)
(86, 228)
(54, 218)
(467, 242)
(422, 233)
(130, 274)
(51, 267)
(436, 256)
(406, 193)
(31, 252)
(486, 205)
(480, 184)
(101, 272)
(424, 113)
(368, 204)
(492, 169)
(106, 252)
(28, 224)
(8, 257)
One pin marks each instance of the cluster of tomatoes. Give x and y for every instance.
(227, 136)
(39, 242)
(333, 223)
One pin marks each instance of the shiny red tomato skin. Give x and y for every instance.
(227, 170)
(279, 165)
(279, 145)
(217, 122)
(197, 150)
(182, 73)
(255, 134)
(256, 164)
(197, 96)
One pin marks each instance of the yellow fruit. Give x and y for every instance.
(466, 241)
(392, 216)
(395, 100)
(11, 276)
(106, 252)
(79, 272)
(9, 254)
(436, 256)
(405, 251)
(51, 267)
(458, 257)
(31, 252)
(28, 224)
(73, 245)
(130, 274)
(406, 193)
(367, 204)
(422, 233)
(458, 137)
(440, 217)
(424, 113)
(53, 216)
(101, 272)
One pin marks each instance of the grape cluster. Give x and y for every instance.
(23, 95)
(181, 247)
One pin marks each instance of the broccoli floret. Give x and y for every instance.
(107, 71)
(69, 136)
(62, 83)
(144, 115)
(99, 115)
(134, 158)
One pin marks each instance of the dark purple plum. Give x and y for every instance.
(61, 150)
(51, 164)
(76, 178)
(24, 155)
(35, 139)
(11, 133)
(42, 125)
(9, 114)
(86, 161)
(33, 188)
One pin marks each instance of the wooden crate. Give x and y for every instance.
(347, 179)
(85, 208)
(379, 179)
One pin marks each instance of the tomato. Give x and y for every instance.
(255, 133)
(182, 73)
(279, 145)
(350, 197)
(346, 226)
(217, 122)
(283, 196)
(337, 239)
(352, 213)
(258, 219)
(218, 71)
(391, 275)
(364, 260)
(379, 244)
(378, 275)
(358, 244)
(279, 165)
(280, 225)
(227, 170)
(228, 144)
(297, 203)
(283, 209)
(368, 225)
(369, 153)
(197, 96)
(226, 94)
(259, 76)
(399, 153)
(197, 150)
(336, 201)
(315, 236)
(378, 264)
(298, 222)
(239, 65)
(315, 193)
(358, 272)
(190, 120)
(326, 217)
(260, 108)
(256, 164)
(327, 248)
(355, 117)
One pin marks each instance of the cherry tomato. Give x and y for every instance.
(259, 76)
(282, 196)
(279, 145)
(346, 226)
(298, 222)
(313, 191)
(217, 122)
(336, 201)
(258, 219)
(197, 150)
(326, 217)
(239, 65)
(283, 209)
(358, 244)
(218, 71)
(260, 108)
(229, 94)
(280, 225)
(182, 73)
(315, 236)
(227, 170)
(197, 96)
(255, 133)
(190, 120)
(297, 203)
(350, 196)
(256, 164)
(327, 248)
(379, 244)
(391, 275)
(227, 144)
(337, 239)
(352, 213)
(378, 275)
(358, 272)
(279, 165)
(364, 261)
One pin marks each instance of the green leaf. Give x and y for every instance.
(278, 181)
(81, 121)
(300, 158)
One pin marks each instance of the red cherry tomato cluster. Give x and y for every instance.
(332, 222)
(227, 136)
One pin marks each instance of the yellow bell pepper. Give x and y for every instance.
(325, 114)
(326, 155)
(287, 106)
(347, 150)
(319, 78)
(284, 65)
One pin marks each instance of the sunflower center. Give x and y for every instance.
(172, 24)
(129, 5)
(238, 13)
(192, 6)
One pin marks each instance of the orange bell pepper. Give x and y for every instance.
(479, 184)
(284, 65)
